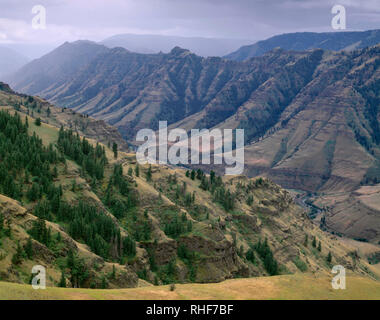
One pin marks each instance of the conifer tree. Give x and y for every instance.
(29, 248)
(62, 281)
(104, 283)
(149, 174)
(114, 149)
(314, 243)
(137, 170)
(250, 256)
(18, 256)
(113, 275)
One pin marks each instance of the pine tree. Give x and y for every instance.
(38, 122)
(34, 192)
(129, 247)
(250, 256)
(104, 283)
(113, 274)
(149, 174)
(319, 246)
(200, 174)
(55, 172)
(329, 257)
(314, 243)
(29, 248)
(212, 177)
(204, 183)
(137, 170)
(91, 159)
(189, 226)
(18, 256)
(62, 281)
(130, 172)
(78, 269)
(114, 149)
(266, 256)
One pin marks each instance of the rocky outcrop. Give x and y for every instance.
(219, 260)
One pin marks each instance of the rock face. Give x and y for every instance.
(221, 261)
(310, 118)
(165, 251)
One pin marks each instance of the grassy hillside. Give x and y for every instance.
(292, 287)
(57, 117)
(102, 221)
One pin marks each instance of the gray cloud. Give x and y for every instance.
(249, 19)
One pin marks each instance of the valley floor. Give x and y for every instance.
(288, 287)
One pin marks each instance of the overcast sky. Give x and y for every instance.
(69, 20)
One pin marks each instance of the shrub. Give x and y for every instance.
(301, 265)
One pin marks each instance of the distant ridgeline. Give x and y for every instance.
(301, 41)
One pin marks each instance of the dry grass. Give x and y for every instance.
(290, 287)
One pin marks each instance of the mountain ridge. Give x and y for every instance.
(159, 43)
(300, 41)
(263, 96)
